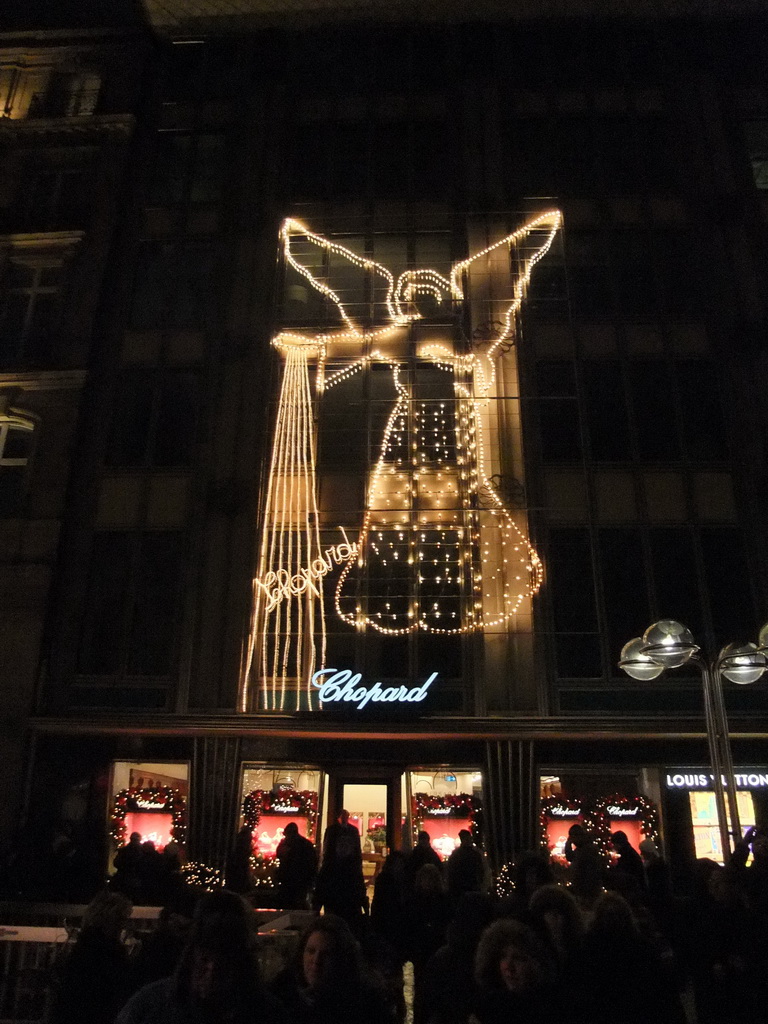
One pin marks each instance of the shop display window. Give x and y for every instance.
(273, 796)
(636, 816)
(149, 798)
(706, 829)
(557, 816)
(443, 802)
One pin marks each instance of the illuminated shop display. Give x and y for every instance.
(443, 817)
(151, 799)
(637, 816)
(158, 815)
(271, 797)
(557, 816)
(437, 551)
(703, 808)
(267, 813)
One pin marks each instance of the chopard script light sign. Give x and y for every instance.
(344, 685)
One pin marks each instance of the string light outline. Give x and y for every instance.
(408, 285)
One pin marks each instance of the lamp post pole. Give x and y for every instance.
(669, 644)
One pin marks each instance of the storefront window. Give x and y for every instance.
(149, 798)
(691, 799)
(443, 802)
(594, 803)
(706, 824)
(274, 795)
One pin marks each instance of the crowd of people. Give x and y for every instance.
(596, 945)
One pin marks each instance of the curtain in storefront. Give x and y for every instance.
(510, 800)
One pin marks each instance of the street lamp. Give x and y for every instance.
(670, 644)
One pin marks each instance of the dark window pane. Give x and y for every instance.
(431, 161)
(190, 286)
(606, 411)
(570, 581)
(179, 402)
(106, 595)
(150, 287)
(441, 654)
(577, 656)
(391, 164)
(11, 488)
(155, 609)
(654, 408)
(547, 292)
(349, 160)
(681, 274)
(702, 410)
(590, 291)
(675, 577)
(635, 287)
(208, 171)
(576, 155)
(556, 378)
(131, 423)
(756, 133)
(559, 429)
(558, 414)
(625, 596)
(18, 443)
(729, 585)
(172, 157)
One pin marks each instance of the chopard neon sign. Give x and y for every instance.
(279, 585)
(344, 686)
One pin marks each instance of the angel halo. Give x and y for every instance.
(437, 549)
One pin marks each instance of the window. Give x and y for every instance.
(67, 94)
(154, 420)
(129, 624)
(16, 438)
(187, 167)
(30, 311)
(54, 199)
(172, 287)
(756, 134)
(558, 411)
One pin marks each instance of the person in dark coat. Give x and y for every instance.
(629, 861)
(340, 886)
(217, 980)
(621, 959)
(586, 866)
(514, 977)
(466, 867)
(162, 949)
(448, 991)
(429, 912)
(296, 869)
(238, 869)
(388, 909)
(95, 979)
(327, 982)
(129, 861)
(422, 853)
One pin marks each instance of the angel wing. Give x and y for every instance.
(400, 293)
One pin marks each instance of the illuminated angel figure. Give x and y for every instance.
(437, 549)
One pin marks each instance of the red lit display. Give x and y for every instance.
(152, 826)
(270, 830)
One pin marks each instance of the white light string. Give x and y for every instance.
(292, 634)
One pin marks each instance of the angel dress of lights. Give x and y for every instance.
(437, 549)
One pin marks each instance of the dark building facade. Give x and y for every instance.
(426, 351)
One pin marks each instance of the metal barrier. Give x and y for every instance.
(30, 954)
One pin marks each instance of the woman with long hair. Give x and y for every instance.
(217, 980)
(328, 982)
